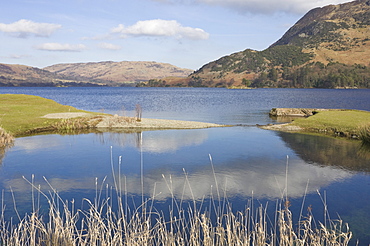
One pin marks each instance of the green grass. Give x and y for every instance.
(342, 122)
(22, 113)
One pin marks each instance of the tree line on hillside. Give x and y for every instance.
(316, 75)
(313, 75)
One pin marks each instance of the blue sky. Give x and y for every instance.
(185, 33)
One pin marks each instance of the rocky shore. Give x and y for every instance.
(286, 127)
(297, 112)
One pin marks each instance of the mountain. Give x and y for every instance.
(21, 75)
(329, 47)
(124, 73)
(115, 73)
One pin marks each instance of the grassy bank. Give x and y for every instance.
(20, 114)
(347, 123)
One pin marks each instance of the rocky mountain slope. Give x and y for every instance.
(328, 47)
(118, 72)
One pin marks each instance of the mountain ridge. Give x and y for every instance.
(119, 72)
(329, 47)
(108, 73)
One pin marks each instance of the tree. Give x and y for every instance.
(273, 74)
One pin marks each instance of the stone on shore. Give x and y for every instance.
(295, 112)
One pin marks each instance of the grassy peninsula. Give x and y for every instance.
(20, 113)
(353, 124)
(347, 123)
(24, 115)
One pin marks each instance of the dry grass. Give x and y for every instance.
(185, 223)
(117, 120)
(6, 139)
(72, 124)
(364, 135)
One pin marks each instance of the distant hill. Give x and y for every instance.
(21, 75)
(329, 47)
(115, 73)
(88, 74)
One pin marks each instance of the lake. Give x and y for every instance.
(243, 162)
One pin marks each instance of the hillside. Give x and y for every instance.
(114, 73)
(88, 74)
(329, 47)
(20, 75)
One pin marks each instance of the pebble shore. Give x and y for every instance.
(108, 121)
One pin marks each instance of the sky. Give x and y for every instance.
(184, 33)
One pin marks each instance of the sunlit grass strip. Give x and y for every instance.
(21, 113)
(346, 122)
(101, 225)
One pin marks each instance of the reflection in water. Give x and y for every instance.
(233, 179)
(261, 174)
(327, 151)
(156, 141)
(365, 150)
(236, 179)
(247, 161)
(3, 150)
(31, 144)
(2, 154)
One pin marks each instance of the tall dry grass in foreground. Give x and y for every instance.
(108, 222)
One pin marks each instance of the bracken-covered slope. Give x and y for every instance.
(329, 47)
(338, 33)
(119, 72)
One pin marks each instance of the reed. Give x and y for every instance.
(185, 223)
(6, 139)
(72, 124)
(109, 219)
(364, 135)
(139, 112)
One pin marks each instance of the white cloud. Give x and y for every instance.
(61, 47)
(109, 46)
(160, 28)
(15, 56)
(265, 6)
(24, 28)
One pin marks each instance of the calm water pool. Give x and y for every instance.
(243, 161)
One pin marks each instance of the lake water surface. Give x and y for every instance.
(243, 161)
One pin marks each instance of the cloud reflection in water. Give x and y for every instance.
(242, 175)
